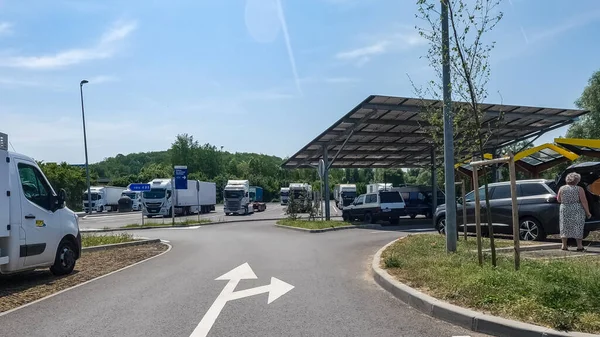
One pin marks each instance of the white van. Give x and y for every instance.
(36, 229)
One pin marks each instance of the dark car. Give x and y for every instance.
(418, 199)
(538, 207)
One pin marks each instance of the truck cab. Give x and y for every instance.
(236, 197)
(284, 195)
(36, 229)
(344, 194)
(136, 198)
(301, 193)
(157, 201)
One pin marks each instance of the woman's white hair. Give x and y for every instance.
(573, 178)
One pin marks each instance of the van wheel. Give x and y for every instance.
(586, 233)
(64, 262)
(369, 217)
(412, 216)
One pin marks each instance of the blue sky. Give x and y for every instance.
(250, 75)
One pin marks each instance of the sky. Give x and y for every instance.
(262, 76)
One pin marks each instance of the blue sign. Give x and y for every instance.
(181, 173)
(139, 187)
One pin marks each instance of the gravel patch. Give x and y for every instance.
(20, 289)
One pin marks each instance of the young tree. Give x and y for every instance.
(469, 23)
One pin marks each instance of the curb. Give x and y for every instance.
(323, 230)
(119, 245)
(84, 230)
(527, 248)
(466, 318)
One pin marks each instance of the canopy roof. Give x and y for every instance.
(582, 147)
(386, 131)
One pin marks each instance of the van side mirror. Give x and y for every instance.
(61, 198)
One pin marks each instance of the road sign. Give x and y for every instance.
(321, 168)
(181, 173)
(276, 289)
(139, 187)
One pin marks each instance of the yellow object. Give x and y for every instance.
(563, 152)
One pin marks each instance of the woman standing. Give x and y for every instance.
(573, 211)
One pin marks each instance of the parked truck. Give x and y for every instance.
(199, 197)
(236, 197)
(344, 194)
(104, 198)
(376, 187)
(302, 194)
(135, 196)
(284, 195)
(256, 197)
(36, 229)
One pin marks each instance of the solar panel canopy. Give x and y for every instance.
(388, 131)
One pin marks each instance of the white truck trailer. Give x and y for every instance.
(236, 197)
(344, 194)
(199, 196)
(376, 187)
(104, 198)
(36, 229)
(284, 195)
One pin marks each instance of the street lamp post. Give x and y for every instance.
(87, 168)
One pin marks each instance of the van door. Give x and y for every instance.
(39, 223)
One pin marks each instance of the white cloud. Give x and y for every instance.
(106, 47)
(384, 43)
(6, 28)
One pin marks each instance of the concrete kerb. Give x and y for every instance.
(119, 245)
(117, 229)
(331, 229)
(466, 318)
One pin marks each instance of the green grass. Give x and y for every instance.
(312, 224)
(90, 240)
(563, 294)
(168, 222)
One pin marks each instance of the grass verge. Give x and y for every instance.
(562, 294)
(306, 224)
(90, 240)
(169, 223)
(20, 289)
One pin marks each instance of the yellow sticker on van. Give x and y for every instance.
(40, 223)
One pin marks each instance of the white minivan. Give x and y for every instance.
(36, 229)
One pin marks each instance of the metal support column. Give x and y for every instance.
(451, 231)
(434, 187)
(326, 183)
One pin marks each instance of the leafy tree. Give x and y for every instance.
(589, 125)
(70, 178)
(468, 55)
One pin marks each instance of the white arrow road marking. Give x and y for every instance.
(276, 289)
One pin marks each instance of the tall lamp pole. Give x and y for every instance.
(87, 168)
(451, 231)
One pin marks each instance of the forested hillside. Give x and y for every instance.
(206, 162)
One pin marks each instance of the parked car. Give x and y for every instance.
(538, 207)
(418, 199)
(373, 207)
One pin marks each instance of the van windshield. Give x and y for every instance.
(390, 197)
(154, 194)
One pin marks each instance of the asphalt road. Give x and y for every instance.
(334, 293)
